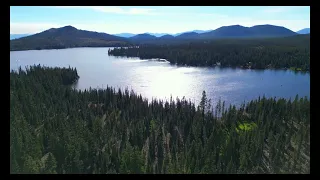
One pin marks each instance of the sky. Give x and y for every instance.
(153, 19)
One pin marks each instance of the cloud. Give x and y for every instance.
(282, 9)
(143, 11)
(30, 28)
(114, 9)
(33, 27)
(216, 15)
(275, 10)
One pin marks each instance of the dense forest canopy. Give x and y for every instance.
(55, 128)
(284, 52)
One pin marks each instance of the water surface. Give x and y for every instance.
(155, 79)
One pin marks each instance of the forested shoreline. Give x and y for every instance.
(67, 46)
(55, 128)
(278, 53)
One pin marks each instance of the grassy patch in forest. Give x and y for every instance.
(246, 126)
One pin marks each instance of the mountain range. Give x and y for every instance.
(68, 36)
(128, 35)
(254, 31)
(304, 31)
(17, 36)
(234, 31)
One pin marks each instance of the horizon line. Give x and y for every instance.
(159, 32)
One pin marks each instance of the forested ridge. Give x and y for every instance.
(66, 37)
(278, 53)
(55, 128)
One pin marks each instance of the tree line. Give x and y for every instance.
(55, 128)
(280, 53)
(34, 43)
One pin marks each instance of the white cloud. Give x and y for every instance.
(282, 9)
(213, 15)
(115, 9)
(143, 11)
(30, 28)
(275, 10)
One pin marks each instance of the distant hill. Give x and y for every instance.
(228, 31)
(125, 35)
(16, 36)
(196, 31)
(188, 35)
(158, 34)
(129, 35)
(66, 37)
(166, 37)
(271, 30)
(233, 31)
(237, 31)
(143, 36)
(224, 32)
(304, 31)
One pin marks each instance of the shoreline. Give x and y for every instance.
(161, 60)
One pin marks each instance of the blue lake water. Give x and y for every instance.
(161, 80)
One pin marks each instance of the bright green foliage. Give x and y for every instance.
(57, 129)
(246, 126)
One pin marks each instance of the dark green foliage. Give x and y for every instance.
(284, 52)
(56, 129)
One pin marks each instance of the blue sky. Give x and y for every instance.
(155, 19)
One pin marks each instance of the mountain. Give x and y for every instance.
(237, 31)
(125, 35)
(233, 31)
(166, 37)
(187, 35)
(66, 37)
(224, 32)
(129, 35)
(158, 34)
(16, 36)
(271, 30)
(142, 38)
(304, 31)
(228, 31)
(196, 31)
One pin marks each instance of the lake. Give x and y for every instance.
(154, 79)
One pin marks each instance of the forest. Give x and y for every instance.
(277, 53)
(55, 128)
(27, 43)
